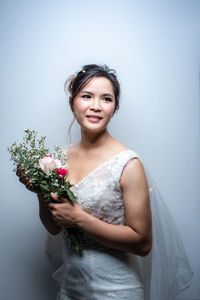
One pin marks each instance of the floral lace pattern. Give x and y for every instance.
(102, 273)
(100, 194)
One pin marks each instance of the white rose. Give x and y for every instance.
(66, 167)
(58, 163)
(47, 164)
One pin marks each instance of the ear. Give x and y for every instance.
(71, 104)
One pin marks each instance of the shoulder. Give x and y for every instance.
(118, 145)
(133, 173)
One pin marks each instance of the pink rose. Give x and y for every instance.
(61, 172)
(48, 164)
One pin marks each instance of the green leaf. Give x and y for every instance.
(44, 187)
(67, 184)
(75, 242)
(71, 196)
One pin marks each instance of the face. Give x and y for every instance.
(94, 106)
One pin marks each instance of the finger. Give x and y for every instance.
(20, 171)
(52, 205)
(23, 179)
(53, 215)
(29, 186)
(61, 200)
(19, 167)
(23, 176)
(29, 182)
(54, 196)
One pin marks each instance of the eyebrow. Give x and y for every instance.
(105, 94)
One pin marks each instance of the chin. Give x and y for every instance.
(93, 129)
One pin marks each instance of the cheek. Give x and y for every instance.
(110, 109)
(80, 106)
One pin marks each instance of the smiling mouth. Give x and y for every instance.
(94, 117)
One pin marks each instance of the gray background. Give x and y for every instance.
(154, 47)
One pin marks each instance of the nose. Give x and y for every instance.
(95, 105)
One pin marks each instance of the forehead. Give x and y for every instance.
(99, 84)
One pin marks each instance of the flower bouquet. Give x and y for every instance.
(47, 171)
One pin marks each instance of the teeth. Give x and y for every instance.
(93, 118)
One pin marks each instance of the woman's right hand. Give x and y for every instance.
(23, 179)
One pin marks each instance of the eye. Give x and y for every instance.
(107, 99)
(85, 96)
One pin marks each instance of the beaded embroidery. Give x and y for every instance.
(100, 194)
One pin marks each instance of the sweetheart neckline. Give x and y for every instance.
(95, 169)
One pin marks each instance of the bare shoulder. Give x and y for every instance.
(117, 145)
(134, 175)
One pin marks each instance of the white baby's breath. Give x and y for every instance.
(48, 171)
(41, 166)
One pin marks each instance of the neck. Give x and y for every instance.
(95, 140)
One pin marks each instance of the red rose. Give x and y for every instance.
(61, 172)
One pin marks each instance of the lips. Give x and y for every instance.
(94, 117)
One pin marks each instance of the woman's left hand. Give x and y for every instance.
(65, 213)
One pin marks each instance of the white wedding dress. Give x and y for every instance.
(100, 273)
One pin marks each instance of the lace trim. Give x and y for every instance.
(93, 172)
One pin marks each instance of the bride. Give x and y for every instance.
(119, 220)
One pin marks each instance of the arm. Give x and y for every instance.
(135, 236)
(46, 217)
(44, 213)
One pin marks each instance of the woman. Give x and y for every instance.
(112, 218)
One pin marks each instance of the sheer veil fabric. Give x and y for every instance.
(165, 270)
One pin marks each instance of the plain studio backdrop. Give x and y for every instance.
(155, 48)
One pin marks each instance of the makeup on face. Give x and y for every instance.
(95, 104)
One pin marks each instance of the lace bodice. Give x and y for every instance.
(99, 193)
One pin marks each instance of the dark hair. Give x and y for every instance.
(75, 83)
